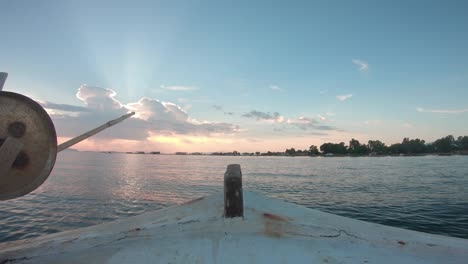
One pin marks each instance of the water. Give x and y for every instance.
(427, 194)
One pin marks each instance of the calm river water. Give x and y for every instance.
(428, 194)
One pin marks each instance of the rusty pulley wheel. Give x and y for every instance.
(23, 122)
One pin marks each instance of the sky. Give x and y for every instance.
(240, 75)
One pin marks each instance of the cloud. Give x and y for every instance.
(155, 110)
(323, 91)
(275, 87)
(327, 117)
(179, 88)
(363, 66)
(63, 107)
(274, 117)
(97, 98)
(322, 118)
(303, 123)
(302, 120)
(442, 111)
(344, 97)
(374, 122)
(152, 117)
(220, 108)
(217, 107)
(166, 117)
(306, 123)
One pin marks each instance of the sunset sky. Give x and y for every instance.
(241, 75)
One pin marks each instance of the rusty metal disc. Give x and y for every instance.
(26, 121)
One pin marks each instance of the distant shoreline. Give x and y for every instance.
(283, 155)
(446, 146)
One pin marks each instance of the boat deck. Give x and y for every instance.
(272, 231)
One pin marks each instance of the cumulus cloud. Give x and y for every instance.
(152, 117)
(166, 117)
(363, 66)
(442, 111)
(274, 117)
(155, 110)
(97, 98)
(344, 97)
(179, 88)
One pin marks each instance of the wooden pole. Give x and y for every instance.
(233, 198)
(86, 135)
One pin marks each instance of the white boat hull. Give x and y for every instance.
(272, 231)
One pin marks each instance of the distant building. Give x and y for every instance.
(155, 152)
(181, 153)
(140, 152)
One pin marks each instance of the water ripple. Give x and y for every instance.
(427, 194)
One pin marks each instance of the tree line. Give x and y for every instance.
(448, 144)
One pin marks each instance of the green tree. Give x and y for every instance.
(405, 146)
(313, 150)
(462, 142)
(326, 148)
(395, 148)
(444, 145)
(412, 146)
(291, 151)
(377, 146)
(356, 148)
(334, 148)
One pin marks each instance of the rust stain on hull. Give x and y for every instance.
(275, 225)
(275, 217)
